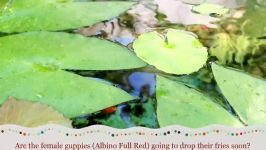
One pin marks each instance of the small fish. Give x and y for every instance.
(109, 110)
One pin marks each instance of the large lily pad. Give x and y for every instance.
(66, 51)
(179, 52)
(245, 93)
(30, 114)
(179, 104)
(52, 15)
(67, 93)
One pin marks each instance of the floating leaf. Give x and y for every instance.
(179, 52)
(30, 114)
(179, 104)
(67, 93)
(31, 3)
(208, 8)
(66, 51)
(246, 94)
(33, 15)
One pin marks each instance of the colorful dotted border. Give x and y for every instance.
(164, 133)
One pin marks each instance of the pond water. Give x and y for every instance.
(150, 15)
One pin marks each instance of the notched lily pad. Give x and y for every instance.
(210, 9)
(246, 94)
(30, 114)
(177, 52)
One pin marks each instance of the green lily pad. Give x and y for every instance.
(246, 94)
(35, 15)
(179, 52)
(31, 3)
(30, 114)
(179, 104)
(68, 93)
(66, 51)
(208, 8)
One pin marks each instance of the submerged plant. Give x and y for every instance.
(233, 48)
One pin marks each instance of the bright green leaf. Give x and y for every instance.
(30, 114)
(66, 51)
(208, 8)
(179, 104)
(67, 93)
(179, 53)
(245, 93)
(16, 4)
(35, 15)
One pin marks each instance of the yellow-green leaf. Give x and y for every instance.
(179, 52)
(179, 104)
(53, 15)
(245, 93)
(66, 51)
